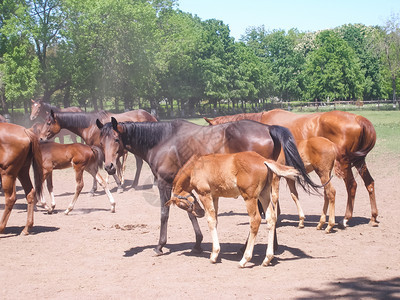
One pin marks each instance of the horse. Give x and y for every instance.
(84, 125)
(42, 109)
(245, 174)
(353, 135)
(19, 148)
(319, 155)
(166, 146)
(81, 157)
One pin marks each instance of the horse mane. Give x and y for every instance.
(47, 107)
(80, 119)
(143, 136)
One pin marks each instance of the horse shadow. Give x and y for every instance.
(13, 231)
(229, 251)
(356, 288)
(313, 220)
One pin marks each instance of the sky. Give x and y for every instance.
(305, 15)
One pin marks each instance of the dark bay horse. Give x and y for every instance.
(353, 135)
(167, 146)
(245, 174)
(78, 156)
(84, 125)
(42, 109)
(19, 148)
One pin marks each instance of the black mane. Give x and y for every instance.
(143, 136)
(79, 119)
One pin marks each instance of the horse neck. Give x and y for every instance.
(183, 177)
(88, 134)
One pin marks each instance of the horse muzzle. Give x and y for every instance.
(110, 169)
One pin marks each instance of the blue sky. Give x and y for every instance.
(305, 15)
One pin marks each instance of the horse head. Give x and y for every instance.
(188, 203)
(35, 109)
(110, 143)
(50, 127)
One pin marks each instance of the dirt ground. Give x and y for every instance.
(95, 254)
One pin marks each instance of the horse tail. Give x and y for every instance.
(366, 142)
(98, 153)
(37, 162)
(284, 137)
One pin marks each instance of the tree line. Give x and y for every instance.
(126, 54)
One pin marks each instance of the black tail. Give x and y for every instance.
(283, 136)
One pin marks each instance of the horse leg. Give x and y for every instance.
(103, 184)
(211, 214)
(265, 197)
(370, 185)
(351, 187)
(79, 187)
(199, 236)
(295, 197)
(329, 200)
(118, 182)
(49, 182)
(255, 221)
(8, 183)
(165, 194)
(30, 195)
(139, 164)
(94, 186)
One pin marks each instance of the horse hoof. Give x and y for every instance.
(66, 212)
(196, 250)
(120, 190)
(113, 209)
(158, 252)
(373, 223)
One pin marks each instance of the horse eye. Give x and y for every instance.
(117, 140)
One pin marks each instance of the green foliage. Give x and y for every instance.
(332, 71)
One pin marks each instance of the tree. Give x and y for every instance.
(19, 66)
(387, 41)
(332, 71)
(360, 39)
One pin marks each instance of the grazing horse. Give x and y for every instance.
(166, 146)
(84, 125)
(353, 135)
(19, 148)
(245, 174)
(42, 109)
(79, 156)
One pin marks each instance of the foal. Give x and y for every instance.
(79, 156)
(230, 175)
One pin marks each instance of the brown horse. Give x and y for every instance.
(79, 156)
(84, 125)
(319, 155)
(19, 148)
(353, 135)
(166, 146)
(42, 109)
(245, 174)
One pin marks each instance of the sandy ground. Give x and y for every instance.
(95, 254)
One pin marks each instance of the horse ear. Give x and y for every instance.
(33, 101)
(99, 124)
(209, 121)
(118, 128)
(52, 114)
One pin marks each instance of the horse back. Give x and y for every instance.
(138, 115)
(61, 156)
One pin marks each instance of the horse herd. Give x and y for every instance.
(240, 155)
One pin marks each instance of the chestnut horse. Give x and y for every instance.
(166, 146)
(84, 125)
(19, 148)
(245, 174)
(79, 156)
(42, 109)
(353, 135)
